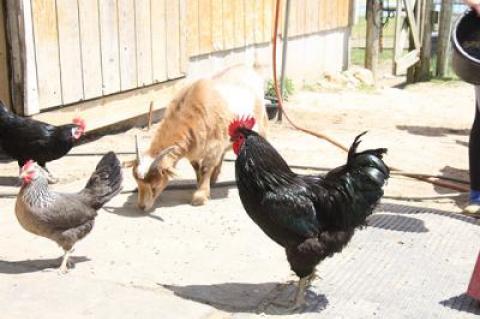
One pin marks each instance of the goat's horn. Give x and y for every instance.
(137, 152)
(160, 155)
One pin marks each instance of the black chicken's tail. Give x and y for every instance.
(105, 182)
(357, 187)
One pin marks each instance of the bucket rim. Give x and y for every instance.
(457, 44)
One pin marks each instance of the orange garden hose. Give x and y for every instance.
(421, 177)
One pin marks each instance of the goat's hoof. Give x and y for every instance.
(199, 200)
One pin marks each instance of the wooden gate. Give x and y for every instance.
(69, 51)
(409, 15)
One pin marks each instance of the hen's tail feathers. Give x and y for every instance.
(105, 182)
(360, 186)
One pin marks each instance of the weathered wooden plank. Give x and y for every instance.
(259, 16)
(159, 40)
(109, 46)
(184, 58)
(228, 23)
(308, 16)
(268, 16)
(331, 14)
(127, 44)
(322, 14)
(249, 22)
(192, 27)
(22, 57)
(301, 11)
(205, 26)
(216, 15)
(412, 23)
(313, 17)
(70, 54)
(292, 20)
(407, 61)
(4, 77)
(90, 48)
(173, 39)
(239, 24)
(144, 42)
(445, 23)
(46, 51)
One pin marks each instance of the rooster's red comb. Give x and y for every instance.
(244, 121)
(80, 122)
(27, 165)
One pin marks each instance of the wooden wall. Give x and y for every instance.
(4, 69)
(66, 51)
(216, 25)
(91, 48)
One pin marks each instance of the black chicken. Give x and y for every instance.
(61, 217)
(311, 216)
(24, 139)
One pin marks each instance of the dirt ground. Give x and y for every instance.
(424, 126)
(180, 261)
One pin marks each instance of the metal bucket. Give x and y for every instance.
(466, 47)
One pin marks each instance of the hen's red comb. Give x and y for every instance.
(27, 165)
(80, 122)
(244, 121)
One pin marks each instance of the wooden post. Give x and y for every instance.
(421, 70)
(22, 57)
(444, 37)
(374, 25)
(424, 73)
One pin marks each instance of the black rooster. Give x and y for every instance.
(311, 216)
(24, 138)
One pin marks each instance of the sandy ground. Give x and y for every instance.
(180, 261)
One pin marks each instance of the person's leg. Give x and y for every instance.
(474, 160)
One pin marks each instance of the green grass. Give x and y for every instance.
(358, 56)
(359, 30)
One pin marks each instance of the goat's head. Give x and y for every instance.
(152, 175)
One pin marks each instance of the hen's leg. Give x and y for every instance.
(64, 266)
(51, 179)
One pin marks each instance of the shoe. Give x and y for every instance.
(473, 208)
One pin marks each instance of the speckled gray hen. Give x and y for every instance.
(65, 218)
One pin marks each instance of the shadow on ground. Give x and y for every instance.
(268, 298)
(397, 223)
(432, 131)
(35, 265)
(462, 303)
(404, 209)
(176, 194)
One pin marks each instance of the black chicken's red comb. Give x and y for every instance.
(244, 121)
(80, 122)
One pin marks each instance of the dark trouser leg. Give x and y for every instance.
(474, 154)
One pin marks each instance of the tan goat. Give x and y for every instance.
(195, 127)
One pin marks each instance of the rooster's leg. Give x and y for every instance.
(300, 296)
(51, 179)
(64, 266)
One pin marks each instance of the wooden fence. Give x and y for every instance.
(91, 48)
(216, 25)
(65, 51)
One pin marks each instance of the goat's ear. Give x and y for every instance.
(127, 164)
(154, 165)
